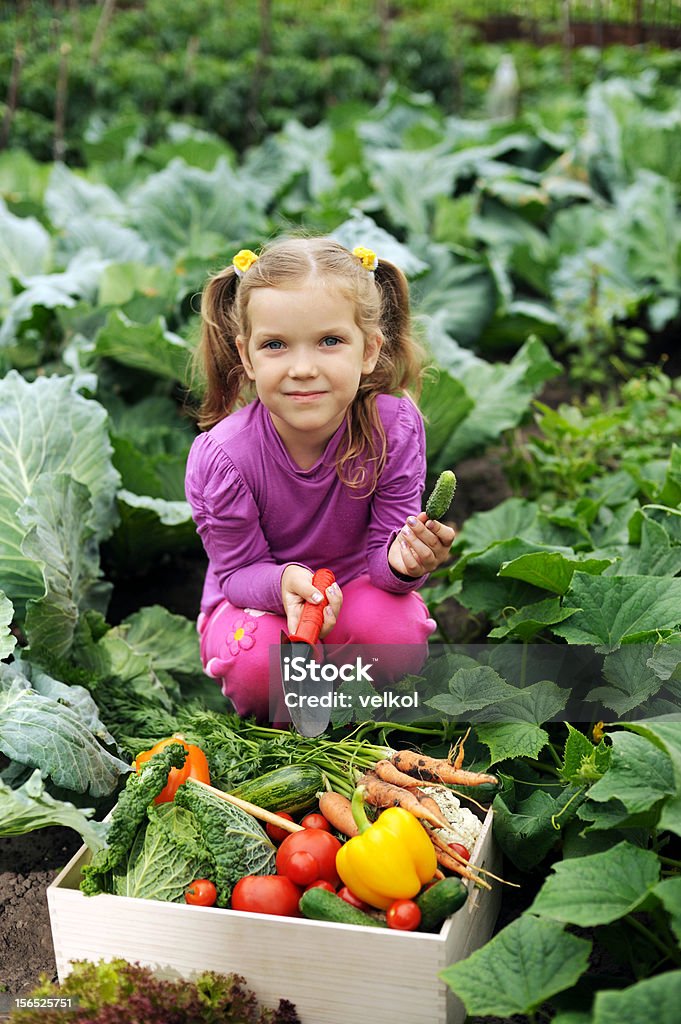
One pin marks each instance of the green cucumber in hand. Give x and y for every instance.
(442, 494)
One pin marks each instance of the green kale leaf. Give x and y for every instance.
(129, 813)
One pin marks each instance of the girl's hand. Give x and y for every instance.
(297, 590)
(419, 548)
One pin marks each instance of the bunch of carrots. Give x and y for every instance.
(396, 782)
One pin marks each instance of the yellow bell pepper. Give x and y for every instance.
(389, 860)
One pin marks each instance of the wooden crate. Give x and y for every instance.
(331, 972)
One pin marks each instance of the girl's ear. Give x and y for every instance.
(371, 351)
(242, 347)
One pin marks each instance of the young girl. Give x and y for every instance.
(324, 467)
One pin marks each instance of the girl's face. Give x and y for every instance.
(306, 355)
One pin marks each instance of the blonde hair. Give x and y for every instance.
(381, 302)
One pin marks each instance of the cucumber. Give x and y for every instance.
(322, 905)
(441, 496)
(291, 788)
(439, 902)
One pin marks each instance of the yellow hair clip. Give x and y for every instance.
(243, 261)
(367, 257)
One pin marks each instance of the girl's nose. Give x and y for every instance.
(303, 366)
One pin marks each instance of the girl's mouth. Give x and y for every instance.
(305, 396)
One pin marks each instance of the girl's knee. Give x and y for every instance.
(236, 651)
(370, 615)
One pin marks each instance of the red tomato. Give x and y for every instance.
(276, 833)
(201, 893)
(460, 849)
(267, 894)
(315, 821)
(321, 884)
(403, 915)
(194, 767)
(303, 868)
(321, 845)
(354, 901)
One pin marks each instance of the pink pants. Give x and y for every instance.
(235, 642)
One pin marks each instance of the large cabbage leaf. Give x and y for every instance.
(41, 726)
(30, 807)
(165, 858)
(46, 427)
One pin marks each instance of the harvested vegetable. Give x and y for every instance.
(453, 862)
(293, 787)
(201, 893)
(337, 810)
(315, 821)
(321, 884)
(387, 771)
(460, 849)
(275, 832)
(384, 794)
(166, 856)
(267, 894)
(194, 767)
(354, 901)
(441, 496)
(389, 860)
(326, 906)
(130, 812)
(439, 901)
(303, 868)
(462, 825)
(403, 915)
(234, 839)
(432, 769)
(319, 845)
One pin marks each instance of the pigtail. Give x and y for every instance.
(399, 370)
(401, 355)
(217, 359)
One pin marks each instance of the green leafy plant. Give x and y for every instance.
(577, 443)
(118, 991)
(615, 879)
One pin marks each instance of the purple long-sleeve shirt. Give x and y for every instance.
(257, 511)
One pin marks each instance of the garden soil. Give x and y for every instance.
(28, 864)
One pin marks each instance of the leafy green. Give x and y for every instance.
(638, 774)
(235, 840)
(165, 858)
(524, 965)
(651, 999)
(620, 609)
(132, 993)
(48, 429)
(30, 806)
(7, 640)
(129, 813)
(527, 828)
(55, 728)
(599, 888)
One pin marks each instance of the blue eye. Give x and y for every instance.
(273, 346)
(331, 341)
